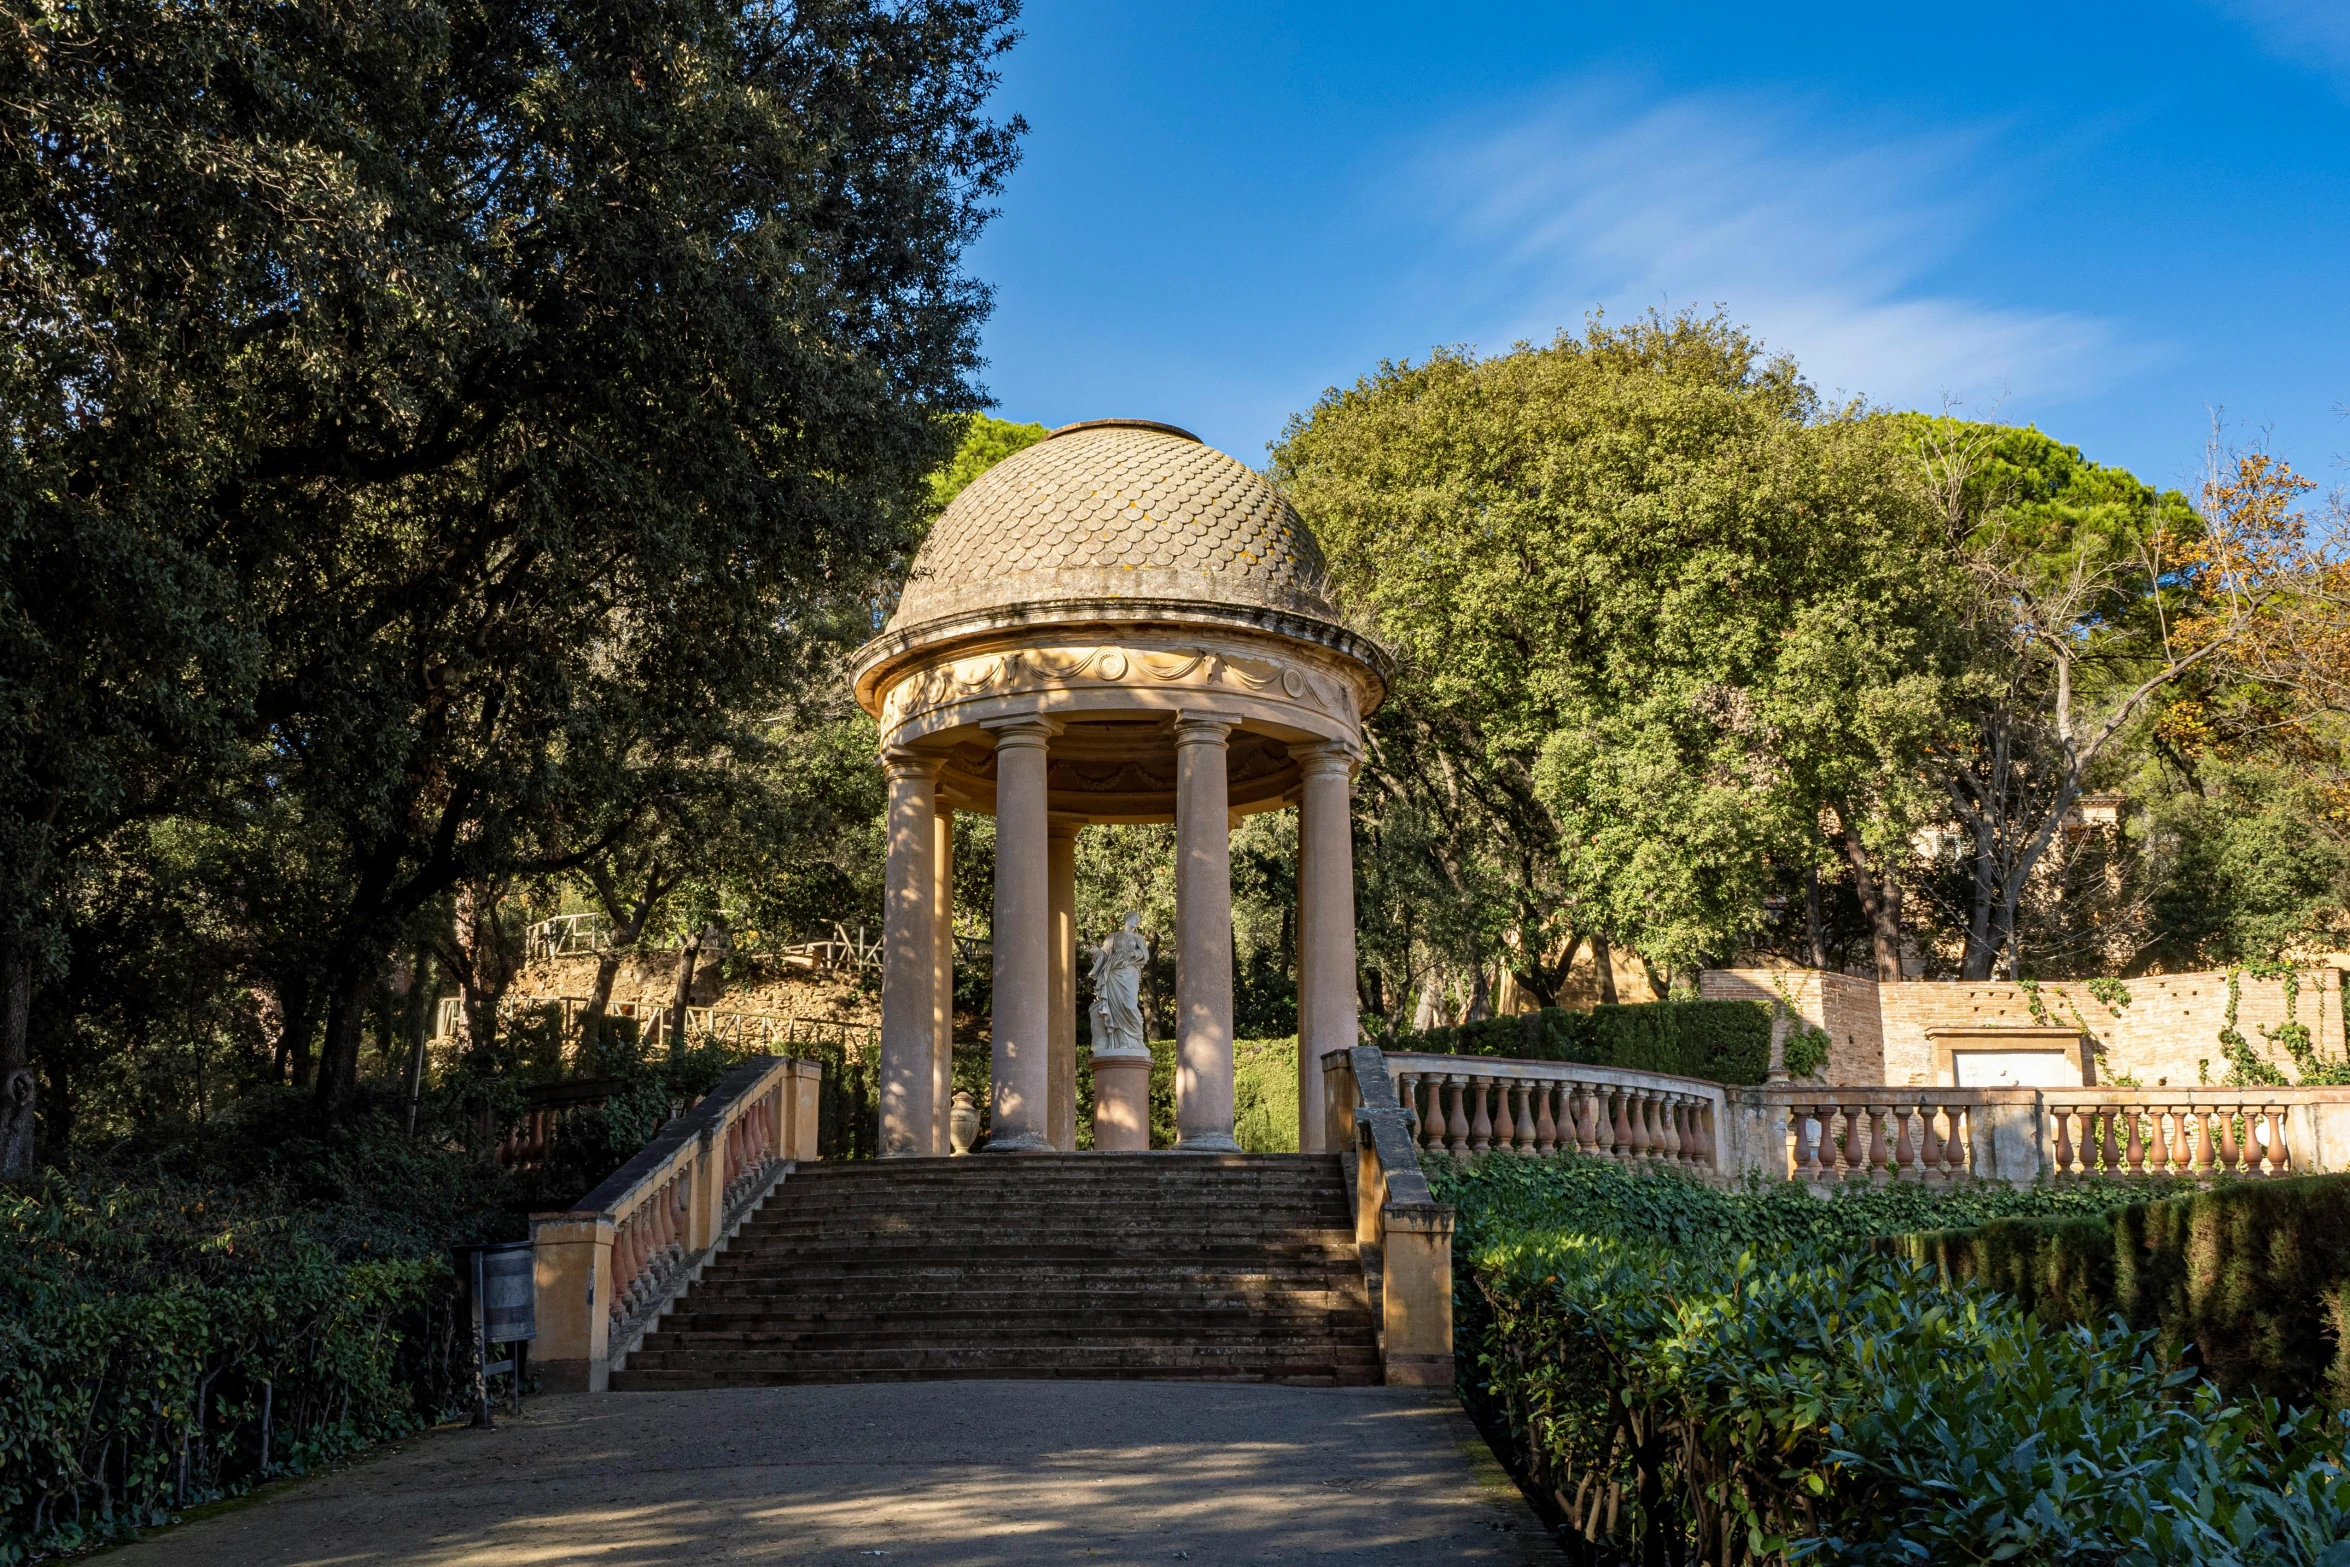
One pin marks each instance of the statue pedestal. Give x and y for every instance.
(1121, 1103)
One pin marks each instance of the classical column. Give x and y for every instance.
(1023, 940)
(907, 954)
(1061, 896)
(1203, 935)
(942, 976)
(1326, 1003)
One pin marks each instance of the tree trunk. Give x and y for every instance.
(1981, 950)
(421, 1005)
(1880, 900)
(346, 1027)
(688, 958)
(1603, 963)
(18, 1146)
(1813, 927)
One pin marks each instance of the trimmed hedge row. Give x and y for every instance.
(1264, 1094)
(2246, 1280)
(1719, 1041)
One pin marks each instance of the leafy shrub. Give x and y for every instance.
(2247, 1279)
(1264, 1094)
(163, 1344)
(1729, 1376)
(1720, 1041)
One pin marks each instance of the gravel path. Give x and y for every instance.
(971, 1474)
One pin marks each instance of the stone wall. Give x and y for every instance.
(1845, 1006)
(2166, 1035)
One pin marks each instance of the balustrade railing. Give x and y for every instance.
(1469, 1106)
(1402, 1232)
(2196, 1132)
(610, 1265)
(1914, 1134)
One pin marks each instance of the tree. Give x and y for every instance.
(1665, 622)
(2095, 595)
(535, 390)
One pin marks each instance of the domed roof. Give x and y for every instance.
(1115, 509)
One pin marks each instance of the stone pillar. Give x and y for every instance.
(1326, 1015)
(1061, 896)
(1203, 935)
(1023, 945)
(942, 976)
(906, 1111)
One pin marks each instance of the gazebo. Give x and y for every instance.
(1117, 624)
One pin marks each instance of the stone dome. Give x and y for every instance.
(1123, 510)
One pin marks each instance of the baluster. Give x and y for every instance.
(1456, 1118)
(1866, 1152)
(1615, 1124)
(2200, 1139)
(1958, 1144)
(1930, 1143)
(1905, 1151)
(2063, 1116)
(2231, 1158)
(2109, 1121)
(1631, 1136)
(1407, 1097)
(2158, 1143)
(1546, 1132)
(1668, 1128)
(2137, 1148)
(1481, 1124)
(1803, 1154)
(1602, 1107)
(1505, 1126)
(2279, 1161)
(1433, 1138)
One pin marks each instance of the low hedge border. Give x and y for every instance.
(2245, 1280)
(1719, 1041)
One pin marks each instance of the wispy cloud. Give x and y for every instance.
(2311, 33)
(1824, 238)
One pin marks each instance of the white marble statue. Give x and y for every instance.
(1117, 991)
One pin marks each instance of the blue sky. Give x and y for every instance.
(2104, 220)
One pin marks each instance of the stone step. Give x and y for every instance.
(667, 1381)
(943, 1357)
(751, 1327)
(955, 1302)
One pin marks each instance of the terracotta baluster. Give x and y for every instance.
(2063, 1153)
(1905, 1151)
(2137, 1147)
(2109, 1121)
(1481, 1120)
(2279, 1160)
(1667, 1146)
(2158, 1143)
(2230, 1159)
(1597, 1127)
(1527, 1089)
(1546, 1131)
(2195, 1121)
(1929, 1142)
(1458, 1120)
(1432, 1125)
(1505, 1126)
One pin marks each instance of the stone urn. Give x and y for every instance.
(963, 1124)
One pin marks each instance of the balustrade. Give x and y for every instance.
(2195, 1132)
(1472, 1106)
(1889, 1134)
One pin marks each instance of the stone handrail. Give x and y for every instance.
(1402, 1232)
(1468, 1106)
(609, 1266)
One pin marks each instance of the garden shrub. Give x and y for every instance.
(1689, 1374)
(2246, 1280)
(164, 1344)
(1719, 1041)
(1264, 1095)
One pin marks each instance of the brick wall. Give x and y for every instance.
(2168, 1028)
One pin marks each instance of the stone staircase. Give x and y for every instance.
(1199, 1267)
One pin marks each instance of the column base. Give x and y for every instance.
(1024, 1142)
(1208, 1142)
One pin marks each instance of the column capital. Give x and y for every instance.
(898, 761)
(1028, 729)
(1065, 824)
(1203, 728)
(1321, 758)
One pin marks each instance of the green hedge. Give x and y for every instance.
(2249, 1277)
(165, 1345)
(1719, 1041)
(1680, 1373)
